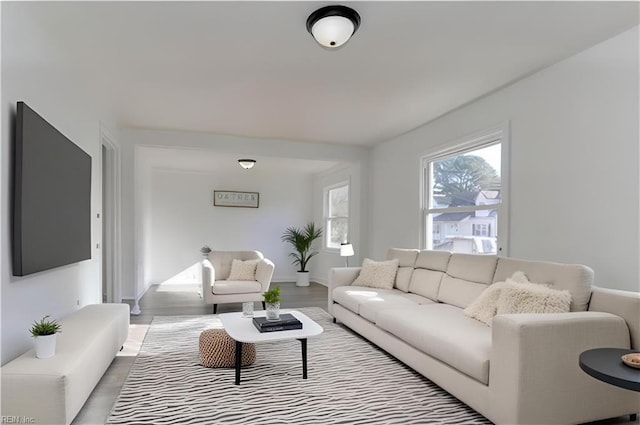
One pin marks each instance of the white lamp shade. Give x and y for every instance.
(346, 250)
(332, 31)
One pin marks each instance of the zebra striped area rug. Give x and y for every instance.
(350, 381)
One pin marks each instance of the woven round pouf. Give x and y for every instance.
(218, 349)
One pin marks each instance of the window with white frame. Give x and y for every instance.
(336, 210)
(464, 202)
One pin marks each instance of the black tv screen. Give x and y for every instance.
(51, 199)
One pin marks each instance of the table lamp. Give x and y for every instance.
(346, 250)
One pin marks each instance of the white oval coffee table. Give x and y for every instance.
(242, 330)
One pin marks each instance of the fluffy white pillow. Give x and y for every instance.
(484, 307)
(377, 274)
(243, 270)
(536, 297)
(533, 299)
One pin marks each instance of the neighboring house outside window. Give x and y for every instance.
(336, 208)
(463, 202)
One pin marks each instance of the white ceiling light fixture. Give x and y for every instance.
(333, 26)
(247, 163)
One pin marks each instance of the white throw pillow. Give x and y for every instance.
(485, 306)
(377, 274)
(243, 270)
(533, 299)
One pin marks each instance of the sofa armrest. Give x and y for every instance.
(340, 276)
(625, 304)
(264, 273)
(534, 375)
(208, 277)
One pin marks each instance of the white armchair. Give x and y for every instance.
(218, 289)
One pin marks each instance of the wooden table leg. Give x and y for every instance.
(238, 361)
(303, 342)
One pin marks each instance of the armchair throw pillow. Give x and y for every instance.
(243, 270)
(377, 274)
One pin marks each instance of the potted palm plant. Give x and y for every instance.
(44, 334)
(302, 240)
(272, 303)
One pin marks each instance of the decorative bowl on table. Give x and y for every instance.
(632, 359)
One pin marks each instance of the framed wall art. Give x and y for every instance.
(228, 198)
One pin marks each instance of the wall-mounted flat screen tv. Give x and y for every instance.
(51, 198)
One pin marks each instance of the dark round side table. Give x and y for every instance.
(606, 365)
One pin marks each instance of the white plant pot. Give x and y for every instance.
(302, 279)
(45, 346)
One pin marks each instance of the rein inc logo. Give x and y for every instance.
(18, 420)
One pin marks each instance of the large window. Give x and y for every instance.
(463, 201)
(336, 207)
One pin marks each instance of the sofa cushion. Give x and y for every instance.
(418, 299)
(443, 332)
(243, 270)
(459, 292)
(406, 260)
(355, 298)
(575, 278)
(426, 283)
(403, 278)
(377, 274)
(405, 257)
(395, 299)
(474, 268)
(433, 260)
(350, 297)
(223, 287)
(467, 276)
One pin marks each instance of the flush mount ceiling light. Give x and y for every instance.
(247, 163)
(332, 26)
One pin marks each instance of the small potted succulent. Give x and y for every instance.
(44, 334)
(272, 302)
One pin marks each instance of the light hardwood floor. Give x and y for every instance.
(179, 300)
(174, 300)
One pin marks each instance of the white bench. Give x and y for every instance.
(52, 391)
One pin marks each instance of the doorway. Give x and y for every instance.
(110, 215)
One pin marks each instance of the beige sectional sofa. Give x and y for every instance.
(523, 369)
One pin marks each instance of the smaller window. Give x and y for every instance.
(336, 215)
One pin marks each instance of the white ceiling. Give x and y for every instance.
(251, 69)
(223, 163)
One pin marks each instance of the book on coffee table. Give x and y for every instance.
(286, 322)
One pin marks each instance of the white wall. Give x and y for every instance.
(286, 199)
(30, 73)
(574, 164)
(183, 217)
